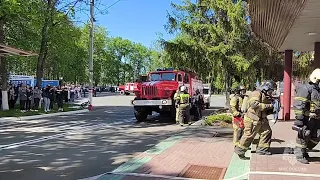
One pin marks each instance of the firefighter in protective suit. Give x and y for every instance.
(255, 121)
(235, 105)
(307, 115)
(183, 101)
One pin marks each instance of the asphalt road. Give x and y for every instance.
(81, 145)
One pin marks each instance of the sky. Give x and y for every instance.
(137, 20)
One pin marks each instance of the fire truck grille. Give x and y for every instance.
(149, 91)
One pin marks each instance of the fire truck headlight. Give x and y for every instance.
(164, 101)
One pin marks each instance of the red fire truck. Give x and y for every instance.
(132, 87)
(157, 93)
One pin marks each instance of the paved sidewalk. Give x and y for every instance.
(212, 147)
(205, 146)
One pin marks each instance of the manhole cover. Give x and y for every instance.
(203, 172)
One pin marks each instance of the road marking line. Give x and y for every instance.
(238, 166)
(29, 142)
(48, 126)
(273, 173)
(46, 138)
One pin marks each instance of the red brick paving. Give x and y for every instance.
(207, 151)
(196, 151)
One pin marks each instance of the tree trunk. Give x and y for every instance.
(3, 70)
(44, 44)
(4, 82)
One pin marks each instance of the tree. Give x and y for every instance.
(213, 36)
(8, 9)
(215, 39)
(51, 18)
(121, 48)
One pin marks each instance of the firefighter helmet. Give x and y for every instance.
(267, 86)
(183, 88)
(241, 89)
(315, 76)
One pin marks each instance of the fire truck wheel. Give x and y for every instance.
(140, 115)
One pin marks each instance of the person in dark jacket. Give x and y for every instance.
(199, 105)
(59, 98)
(29, 98)
(11, 97)
(37, 94)
(16, 92)
(23, 98)
(51, 97)
(46, 99)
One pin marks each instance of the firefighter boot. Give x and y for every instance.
(263, 151)
(301, 155)
(302, 160)
(240, 152)
(306, 155)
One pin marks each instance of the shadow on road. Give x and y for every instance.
(78, 154)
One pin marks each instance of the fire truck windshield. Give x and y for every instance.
(162, 77)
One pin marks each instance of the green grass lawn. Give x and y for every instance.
(16, 112)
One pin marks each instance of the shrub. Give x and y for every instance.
(218, 118)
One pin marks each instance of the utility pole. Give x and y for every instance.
(91, 52)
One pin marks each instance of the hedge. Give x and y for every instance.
(225, 117)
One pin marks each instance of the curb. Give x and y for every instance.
(200, 122)
(4, 119)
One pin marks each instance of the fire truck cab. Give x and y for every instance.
(132, 87)
(157, 93)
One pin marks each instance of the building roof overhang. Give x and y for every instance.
(286, 24)
(9, 51)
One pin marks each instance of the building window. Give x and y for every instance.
(186, 78)
(180, 78)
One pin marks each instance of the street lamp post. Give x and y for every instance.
(91, 51)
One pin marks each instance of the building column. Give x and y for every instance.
(316, 61)
(287, 84)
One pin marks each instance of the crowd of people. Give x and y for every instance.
(31, 99)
